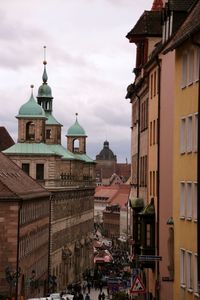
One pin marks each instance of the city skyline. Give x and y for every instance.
(89, 65)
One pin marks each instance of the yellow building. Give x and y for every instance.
(185, 157)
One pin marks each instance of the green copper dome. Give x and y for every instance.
(76, 130)
(31, 108)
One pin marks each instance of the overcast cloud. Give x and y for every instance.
(90, 64)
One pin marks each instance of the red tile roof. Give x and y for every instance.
(15, 184)
(116, 194)
(5, 139)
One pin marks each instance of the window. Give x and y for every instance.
(39, 171)
(189, 200)
(151, 84)
(196, 273)
(155, 84)
(191, 67)
(30, 131)
(48, 133)
(150, 133)
(195, 201)
(197, 64)
(182, 267)
(184, 70)
(148, 235)
(182, 199)
(154, 132)
(189, 134)
(195, 132)
(189, 270)
(26, 168)
(150, 183)
(183, 136)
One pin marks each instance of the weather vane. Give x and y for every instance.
(45, 55)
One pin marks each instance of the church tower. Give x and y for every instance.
(45, 99)
(31, 122)
(76, 138)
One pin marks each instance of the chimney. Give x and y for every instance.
(157, 5)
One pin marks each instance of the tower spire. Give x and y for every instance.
(44, 76)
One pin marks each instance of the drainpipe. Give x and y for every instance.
(138, 148)
(158, 174)
(198, 176)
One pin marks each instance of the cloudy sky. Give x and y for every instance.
(90, 63)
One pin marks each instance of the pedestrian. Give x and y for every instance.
(100, 296)
(87, 297)
(103, 296)
(80, 296)
(84, 287)
(88, 286)
(100, 286)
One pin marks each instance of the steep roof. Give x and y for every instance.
(190, 26)
(5, 139)
(149, 24)
(180, 5)
(16, 184)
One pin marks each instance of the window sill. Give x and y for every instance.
(196, 295)
(190, 290)
(189, 151)
(182, 218)
(195, 220)
(189, 219)
(183, 286)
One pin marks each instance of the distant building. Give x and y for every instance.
(68, 173)
(24, 233)
(109, 196)
(106, 166)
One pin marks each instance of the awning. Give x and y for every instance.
(149, 209)
(136, 202)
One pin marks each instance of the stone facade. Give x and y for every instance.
(68, 173)
(24, 233)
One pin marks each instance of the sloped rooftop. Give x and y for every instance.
(14, 183)
(149, 24)
(189, 27)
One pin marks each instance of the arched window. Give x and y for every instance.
(30, 131)
(76, 145)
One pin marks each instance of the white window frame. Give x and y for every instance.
(196, 274)
(191, 67)
(183, 135)
(182, 199)
(195, 201)
(184, 70)
(195, 136)
(182, 268)
(189, 272)
(189, 201)
(197, 56)
(189, 134)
